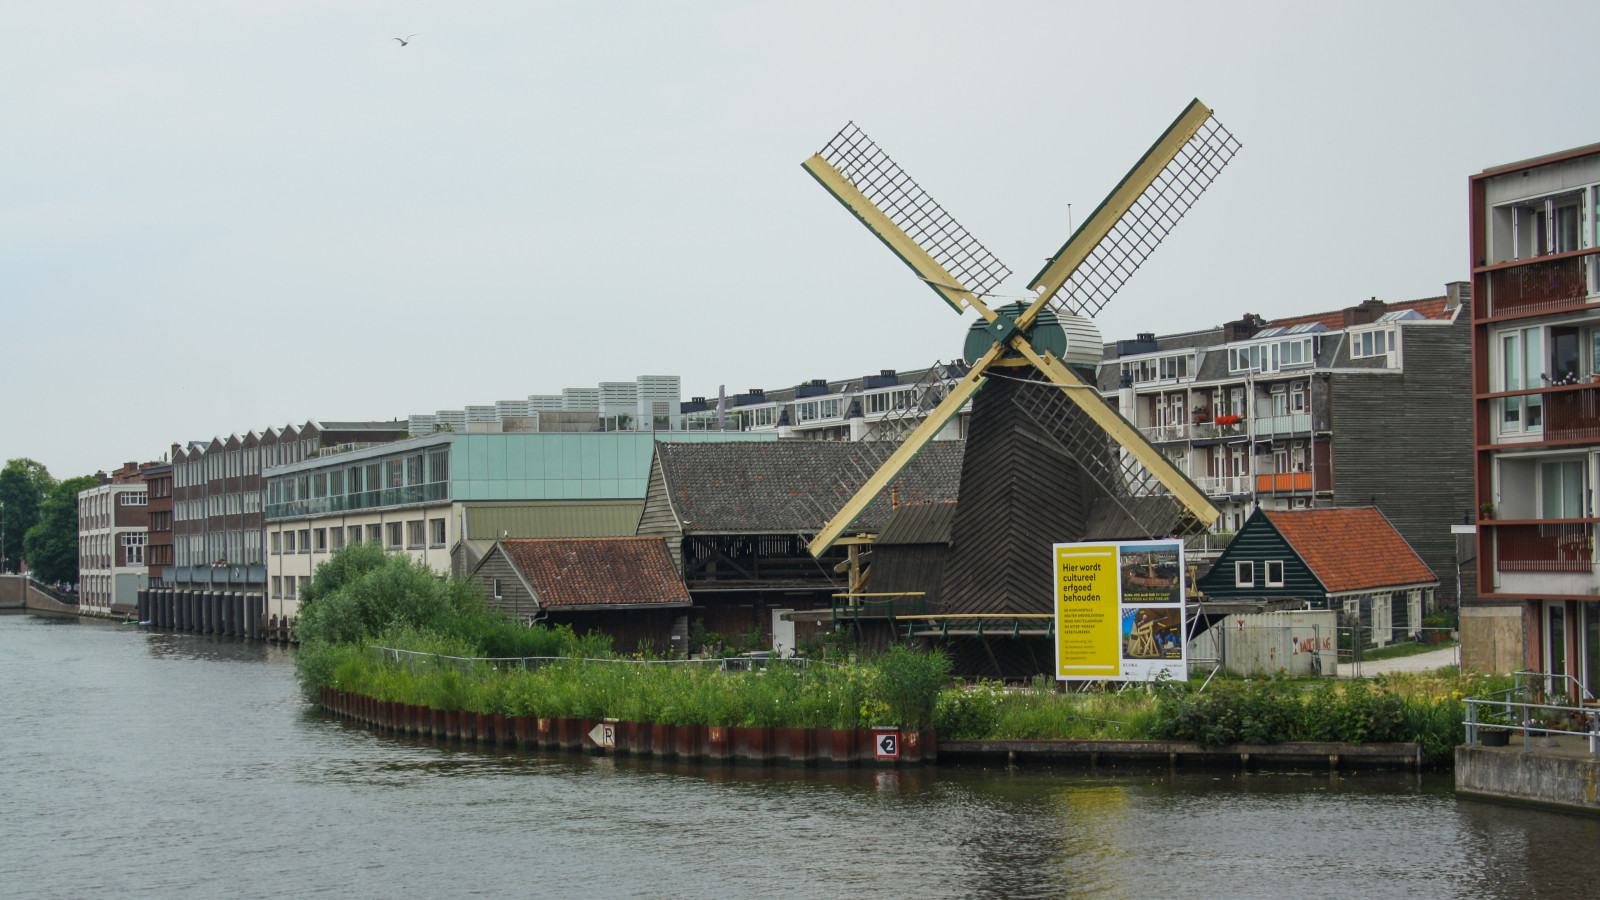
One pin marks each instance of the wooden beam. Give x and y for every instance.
(1113, 208)
(905, 453)
(1089, 400)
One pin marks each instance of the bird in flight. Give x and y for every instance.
(407, 39)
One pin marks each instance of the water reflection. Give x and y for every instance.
(189, 766)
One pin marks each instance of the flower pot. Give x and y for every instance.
(752, 744)
(718, 743)
(1493, 738)
(836, 746)
(663, 740)
(688, 741)
(794, 746)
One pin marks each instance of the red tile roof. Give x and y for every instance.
(1431, 307)
(1351, 548)
(577, 573)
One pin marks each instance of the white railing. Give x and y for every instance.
(1156, 433)
(1291, 423)
(1223, 485)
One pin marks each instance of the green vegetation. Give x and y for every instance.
(51, 545)
(24, 485)
(1409, 648)
(363, 597)
(1421, 708)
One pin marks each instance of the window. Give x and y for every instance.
(277, 543)
(277, 586)
(1244, 574)
(1521, 368)
(1272, 356)
(763, 417)
(1162, 368)
(288, 542)
(497, 589)
(321, 538)
(1297, 397)
(305, 540)
(1274, 572)
(336, 538)
(135, 498)
(288, 587)
(375, 534)
(1561, 490)
(1371, 343)
(305, 581)
(133, 549)
(355, 534)
(396, 534)
(436, 532)
(885, 401)
(415, 534)
(817, 409)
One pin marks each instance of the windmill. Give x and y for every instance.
(1038, 356)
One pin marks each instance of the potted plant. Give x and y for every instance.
(1486, 510)
(1493, 736)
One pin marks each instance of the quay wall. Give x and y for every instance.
(1563, 780)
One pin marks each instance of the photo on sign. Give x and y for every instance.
(1152, 574)
(1152, 633)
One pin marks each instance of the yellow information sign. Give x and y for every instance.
(1088, 629)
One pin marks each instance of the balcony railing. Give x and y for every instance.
(1563, 547)
(1572, 415)
(416, 493)
(1223, 485)
(1159, 433)
(1289, 423)
(1539, 286)
(1287, 481)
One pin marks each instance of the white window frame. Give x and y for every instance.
(1239, 569)
(1266, 573)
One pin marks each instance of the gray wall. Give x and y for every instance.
(1407, 440)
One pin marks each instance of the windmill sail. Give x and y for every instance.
(1134, 218)
(894, 207)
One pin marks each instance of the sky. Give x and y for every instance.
(222, 216)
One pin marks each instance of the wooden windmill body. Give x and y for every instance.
(1047, 460)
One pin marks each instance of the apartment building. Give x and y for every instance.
(1354, 407)
(158, 545)
(1535, 233)
(113, 530)
(425, 495)
(866, 407)
(218, 497)
(648, 403)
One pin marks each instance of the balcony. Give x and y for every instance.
(1554, 547)
(1159, 434)
(1283, 483)
(1291, 423)
(1541, 286)
(1223, 485)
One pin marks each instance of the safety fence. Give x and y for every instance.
(1537, 703)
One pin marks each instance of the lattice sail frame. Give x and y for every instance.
(1148, 221)
(1125, 482)
(884, 436)
(882, 181)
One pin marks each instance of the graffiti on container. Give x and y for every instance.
(1311, 644)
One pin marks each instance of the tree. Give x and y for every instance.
(24, 484)
(51, 546)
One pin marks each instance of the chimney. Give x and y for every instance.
(1457, 295)
(1365, 312)
(1245, 328)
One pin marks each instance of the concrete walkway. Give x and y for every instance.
(1422, 662)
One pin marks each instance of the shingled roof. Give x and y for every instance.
(1350, 548)
(597, 573)
(794, 486)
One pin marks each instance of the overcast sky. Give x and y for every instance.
(220, 216)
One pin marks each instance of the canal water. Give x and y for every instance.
(147, 764)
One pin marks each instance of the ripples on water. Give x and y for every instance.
(165, 765)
